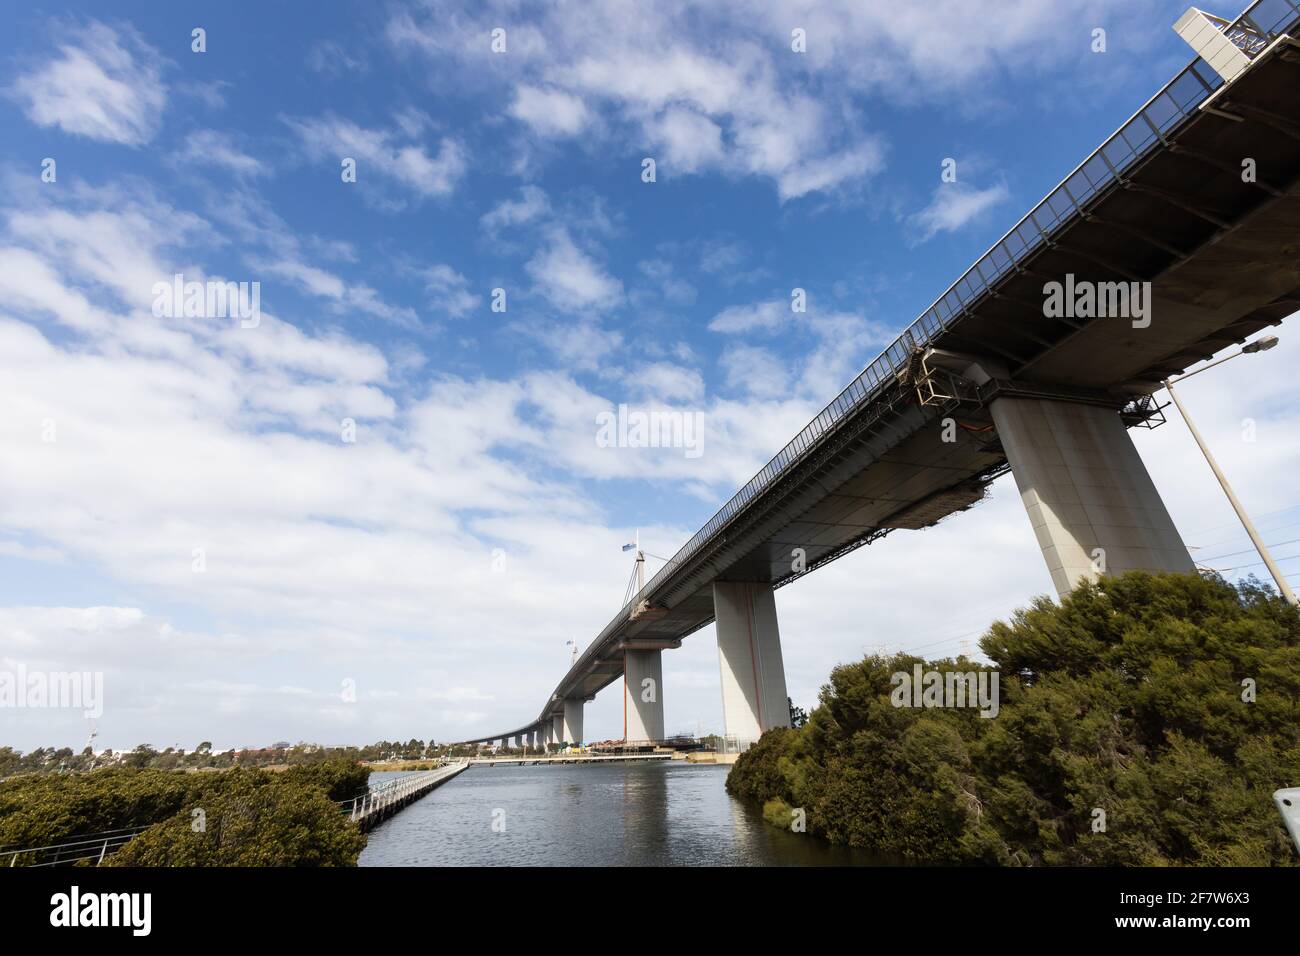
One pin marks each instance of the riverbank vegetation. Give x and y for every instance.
(238, 817)
(1144, 720)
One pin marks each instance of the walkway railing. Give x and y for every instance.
(385, 799)
(87, 848)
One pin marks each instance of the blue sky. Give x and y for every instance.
(373, 561)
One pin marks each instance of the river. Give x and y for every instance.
(615, 814)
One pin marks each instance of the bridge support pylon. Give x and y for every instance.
(557, 729)
(573, 721)
(643, 701)
(749, 658)
(1092, 504)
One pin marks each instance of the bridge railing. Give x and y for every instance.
(85, 848)
(389, 792)
(1102, 170)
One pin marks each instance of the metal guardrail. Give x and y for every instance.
(379, 799)
(1175, 102)
(90, 846)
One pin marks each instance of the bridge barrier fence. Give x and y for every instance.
(1104, 169)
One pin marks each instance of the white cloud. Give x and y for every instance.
(755, 371)
(716, 89)
(104, 84)
(531, 206)
(821, 173)
(549, 112)
(668, 383)
(954, 205)
(691, 142)
(570, 279)
(449, 290)
(381, 153)
(206, 147)
(345, 296)
(676, 290)
(758, 316)
(582, 345)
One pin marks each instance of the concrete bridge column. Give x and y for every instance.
(535, 736)
(557, 728)
(1090, 499)
(573, 720)
(749, 656)
(643, 702)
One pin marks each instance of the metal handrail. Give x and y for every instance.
(96, 845)
(389, 792)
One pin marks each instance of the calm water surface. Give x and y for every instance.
(630, 814)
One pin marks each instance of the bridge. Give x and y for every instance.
(1176, 238)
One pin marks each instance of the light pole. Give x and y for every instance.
(1262, 344)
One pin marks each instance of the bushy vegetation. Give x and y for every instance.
(41, 810)
(255, 819)
(249, 817)
(1127, 698)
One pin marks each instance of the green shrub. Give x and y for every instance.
(1125, 698)
(257, 820)
(252, 817)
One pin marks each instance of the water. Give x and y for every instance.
(615, 814)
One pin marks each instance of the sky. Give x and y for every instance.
(381, 510)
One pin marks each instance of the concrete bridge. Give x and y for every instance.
(1173, 240)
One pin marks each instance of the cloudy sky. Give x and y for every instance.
(440, 561)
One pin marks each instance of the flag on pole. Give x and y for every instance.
(628, 547)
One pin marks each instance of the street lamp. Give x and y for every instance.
(1262, 344)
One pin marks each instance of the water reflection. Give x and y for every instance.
(635, 814)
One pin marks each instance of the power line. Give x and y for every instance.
(1239, 567)
(1228, 524)
(1233, 554)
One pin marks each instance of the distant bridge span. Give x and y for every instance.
(1165, 201)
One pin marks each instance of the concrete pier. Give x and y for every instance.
(749, 657)
(1092, 504)
(573, 721)
(643, 701)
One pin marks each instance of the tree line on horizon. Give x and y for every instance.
(203, 756)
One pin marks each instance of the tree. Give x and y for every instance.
(1144, 720)
(798, 716)
(141, 756)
